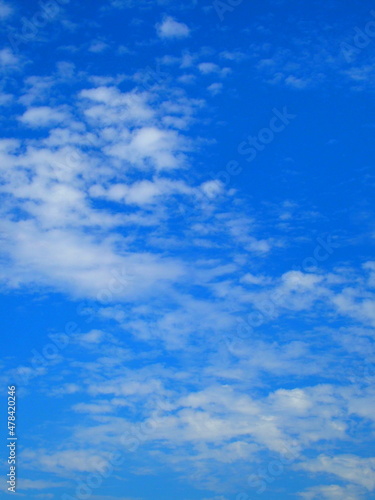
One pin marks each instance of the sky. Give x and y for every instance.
(187, 237)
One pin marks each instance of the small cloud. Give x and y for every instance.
(65, 69)
(187, 78)
(208, 67)
(29, 484)
(92, 337)
(297, 83)
(251, 279)
(7, 59)
(233, 56)
(170, 28)
(5, 98)
(187, 61)
(42, 116)
(216, 498)
(122, 49)
(98, 46)
(5, 10)
(215, 88)
(212, 188)
(332, 492)
(65, 389)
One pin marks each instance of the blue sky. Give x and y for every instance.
(187, 236)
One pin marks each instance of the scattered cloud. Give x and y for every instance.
(217, 328)
(170, 28)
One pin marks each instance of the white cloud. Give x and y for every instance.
(212, 188)
(215, 88)
(216, 498)
(65, 461)
(64, 389)
(357, 304)
(97, 408)
(333, 492)
(30, 484)
(98, 46)
(5, 98)
(83, 266)
(151, 144)
(108, 106)
(43, 116)
(98, 197)
(114, 202)
(208, 67)
(8, 60)
(251, 279)
(170, 28)
(235, 55)
(143, 192)
(297, 83)
(5, 10)
(355, 469)
(57, 182)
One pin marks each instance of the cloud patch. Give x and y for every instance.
(169, 28)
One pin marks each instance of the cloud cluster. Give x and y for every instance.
(205, 343)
